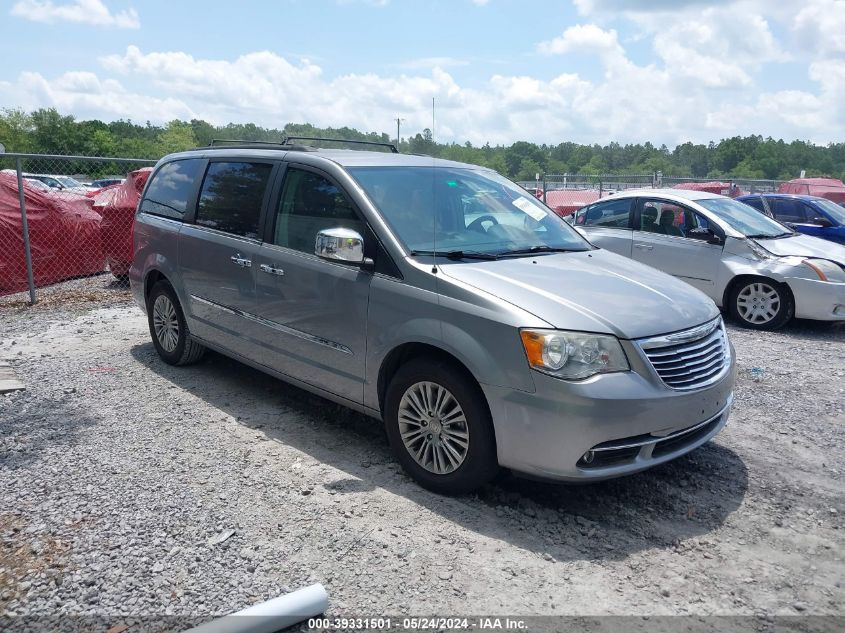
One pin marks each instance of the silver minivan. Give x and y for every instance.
(438, 297)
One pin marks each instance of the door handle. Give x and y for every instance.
(243, 262)
(647, 247)
(271, 269)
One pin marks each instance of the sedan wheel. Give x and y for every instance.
(758, 303)
(761, 304)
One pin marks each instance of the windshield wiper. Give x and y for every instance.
(761, 236)
(458, 254)
(540, 249)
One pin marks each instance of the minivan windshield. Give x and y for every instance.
(744, 218)
(470, 213)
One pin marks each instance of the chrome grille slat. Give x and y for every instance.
(699, 365)
(715, 348)
(658, 352)
(691, 364)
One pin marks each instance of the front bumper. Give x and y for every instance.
(631, 421)
(816, 299)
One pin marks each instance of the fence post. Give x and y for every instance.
(544, 188)
(25, 231)
(601, 186)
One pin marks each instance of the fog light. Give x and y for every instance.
(839, 310)
(588, 457)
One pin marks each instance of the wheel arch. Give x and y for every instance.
(151, 279)
(745, 277)
(404, 353)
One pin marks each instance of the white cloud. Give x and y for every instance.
(684, 95)
(583, 38)
(87, 96)
(92, 12)
(820, 26)
(480, 3)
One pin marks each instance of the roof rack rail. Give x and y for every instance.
(390, 146)
(232, 143)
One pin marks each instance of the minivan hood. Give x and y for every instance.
(591, 291)
(805, 246)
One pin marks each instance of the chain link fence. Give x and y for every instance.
(732, 187)
(67, 217)
(566, 193)
(71, 217)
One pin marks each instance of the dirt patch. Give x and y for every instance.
(141, 467)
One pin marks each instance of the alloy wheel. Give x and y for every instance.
(165, 323)
(433, 427)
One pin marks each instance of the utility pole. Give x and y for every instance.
(398, 138)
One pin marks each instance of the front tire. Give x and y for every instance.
(168, 328)
(761, 304)
(439, 427)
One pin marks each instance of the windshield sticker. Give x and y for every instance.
(535, 212)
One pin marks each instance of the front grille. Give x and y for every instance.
(689, 359)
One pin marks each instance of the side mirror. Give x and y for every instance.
(340, 245)
(822, 222)
(705, 235)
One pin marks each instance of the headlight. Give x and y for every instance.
(573, 355)
(826, 270)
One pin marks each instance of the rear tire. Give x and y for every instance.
(439, 427)
(761, 304)
(168, 328)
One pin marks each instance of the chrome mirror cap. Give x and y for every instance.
(344, 245)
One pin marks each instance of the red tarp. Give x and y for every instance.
(117, 205)
(829, 188)
(721, 188)
(568, 201)
(64, 236)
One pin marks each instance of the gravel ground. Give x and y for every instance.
(131, 488)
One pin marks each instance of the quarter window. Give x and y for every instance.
(311, 203)
(231, 197)
(171, 187)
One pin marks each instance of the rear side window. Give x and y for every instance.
(231, 197)
(170, 188)
(311, 203)
(612, 214)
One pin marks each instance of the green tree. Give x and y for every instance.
(16, 131)
(178, 136)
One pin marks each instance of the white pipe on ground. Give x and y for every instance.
(273, 615)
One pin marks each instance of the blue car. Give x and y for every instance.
(810, 215)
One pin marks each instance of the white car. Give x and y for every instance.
(65, 184)
(758, 269)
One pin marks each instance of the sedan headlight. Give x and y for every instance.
(573, 355)
(826, 270)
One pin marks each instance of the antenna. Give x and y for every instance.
(433, 194)
(398, 137)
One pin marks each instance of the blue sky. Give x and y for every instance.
(500, 70)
